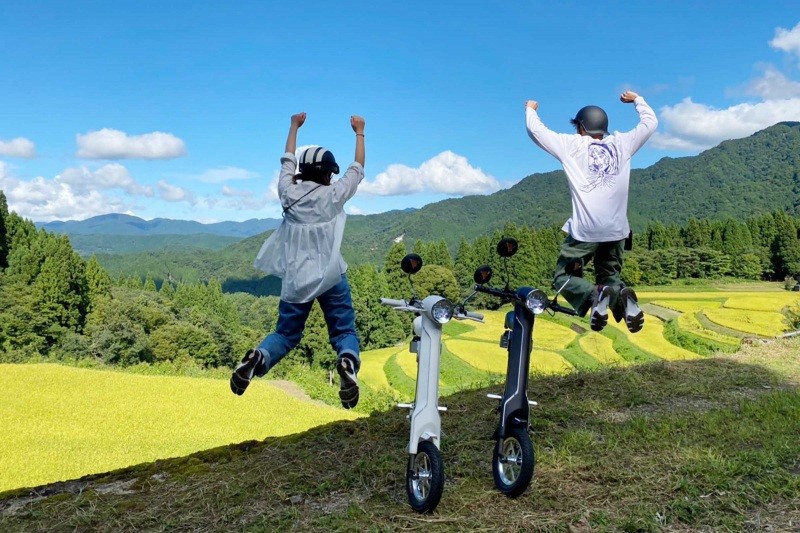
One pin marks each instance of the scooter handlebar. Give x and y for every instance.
(473, 315)
(394, 303)
(562, 309)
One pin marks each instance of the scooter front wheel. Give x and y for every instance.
(425, 478)
(512, 466)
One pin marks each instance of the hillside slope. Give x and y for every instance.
(707, 445)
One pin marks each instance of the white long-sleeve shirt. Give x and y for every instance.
(305, 250)
(598, 172)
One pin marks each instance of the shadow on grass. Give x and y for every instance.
(688, 444)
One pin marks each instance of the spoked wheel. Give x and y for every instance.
(425, 478)
(513, 462)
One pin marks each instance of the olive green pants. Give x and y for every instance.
(607, 268)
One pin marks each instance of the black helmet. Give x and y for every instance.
(593, 119)
(317, 159)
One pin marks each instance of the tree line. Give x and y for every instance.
(59, 306)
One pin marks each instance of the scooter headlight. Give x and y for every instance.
(536, 301)
(442, 311)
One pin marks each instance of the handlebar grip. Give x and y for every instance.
(393, 302)
(562, 309)
(472, 314)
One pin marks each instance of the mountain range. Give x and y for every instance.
(121, 224)
(736, 179)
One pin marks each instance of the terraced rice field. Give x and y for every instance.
(126, 418)
(721, 316)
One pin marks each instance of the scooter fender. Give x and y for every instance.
(514, 407)
(425, 419)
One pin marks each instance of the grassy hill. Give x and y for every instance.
(702, 445)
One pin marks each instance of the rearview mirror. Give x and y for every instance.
(482, 275)
(411, 264)
(507, 247)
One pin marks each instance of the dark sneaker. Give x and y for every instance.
(634, 317)
(348, 384)
(600, 300)
(253, 362)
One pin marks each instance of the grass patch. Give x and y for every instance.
(703, 445)
(694, 343)
(398, 379)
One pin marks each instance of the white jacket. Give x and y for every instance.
(305, 250)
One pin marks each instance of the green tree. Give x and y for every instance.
(97, 278)
(3, 232)
(464, 267)
(436, 279)
(786, 247)
(697, 233)
(377, 325)
(396, 279)
(657, 236)
(150, 284)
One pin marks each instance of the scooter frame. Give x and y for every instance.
(425, 471)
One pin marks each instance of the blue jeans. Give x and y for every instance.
(337, 306)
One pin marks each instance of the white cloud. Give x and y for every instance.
(773, 85)
(18, 147)
(171, 193)
(223, 174)
(46, 200)
(114, 144)
(446, 173)
(353, 210)
(787, 40)
(110, 176)
(693, 126)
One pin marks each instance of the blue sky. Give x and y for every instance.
(180, 109)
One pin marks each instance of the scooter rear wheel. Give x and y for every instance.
(513, 462)
(425, 478)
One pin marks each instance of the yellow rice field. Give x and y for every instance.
(688, 306)
(688, 322)
(770, 302)
(601, 348)
(62, 423)
(651, 339)
(484, 356)
(764, 323)
(371, 372)
(548, 362)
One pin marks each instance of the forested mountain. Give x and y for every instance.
(736, 179)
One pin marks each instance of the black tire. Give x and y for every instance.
(513, 462)
(425, 478)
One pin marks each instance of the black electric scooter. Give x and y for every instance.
(513, 459)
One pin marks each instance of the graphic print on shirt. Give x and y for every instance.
(603, 166)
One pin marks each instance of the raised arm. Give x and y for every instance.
(647, 121)
(357, 123)
(291, 139)
(552, 142)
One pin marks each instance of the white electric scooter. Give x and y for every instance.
(425, 472)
